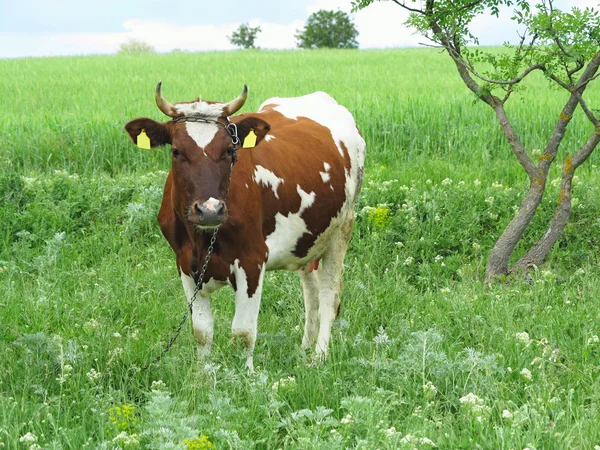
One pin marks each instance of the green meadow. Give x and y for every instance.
(423, 355)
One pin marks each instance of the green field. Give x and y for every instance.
(423, 353)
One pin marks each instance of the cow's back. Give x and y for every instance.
(309, 170)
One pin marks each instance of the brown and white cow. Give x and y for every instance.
(289, 205)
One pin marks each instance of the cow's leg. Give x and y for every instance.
(331, 286)
(202, 319)
(248, 292)
(310, 289)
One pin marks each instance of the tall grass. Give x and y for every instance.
(423, 354)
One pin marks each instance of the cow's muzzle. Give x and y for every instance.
(210, 213)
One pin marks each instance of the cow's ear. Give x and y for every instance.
(258, 126)
(146, 133)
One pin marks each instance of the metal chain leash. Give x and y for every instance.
(232, 130)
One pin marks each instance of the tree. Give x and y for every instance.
(135, 46)
(565, 47)
(333, 29)
(244, 36)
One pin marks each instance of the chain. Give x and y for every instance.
(189, 310)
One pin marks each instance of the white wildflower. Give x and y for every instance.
(117, 335)
(476, 246)
(593, 340)
(438, 258)
(507, 415)
(526, 373)
(93, 375)
(476, 182)
(390, 431)
(475, 406)
(445, 290)
(446, 181)
(399, 244)
(158, 386)
(348, 419)
(288, 383)
(28, 438)
(497, 185)
(429, 388)
(579, 272)
(523, 338)
(125, 439)
(408, 261)
(490, 200)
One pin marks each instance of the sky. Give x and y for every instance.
(76, 27)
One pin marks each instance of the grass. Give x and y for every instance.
(423, 353)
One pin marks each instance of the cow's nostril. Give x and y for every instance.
(198, 209)
(220, 209)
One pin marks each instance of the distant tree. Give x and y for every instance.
(135, 46)
(244, 36)
(565, 47)
(333, 29)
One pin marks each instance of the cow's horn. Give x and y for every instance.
(164, 105)
(236, 104)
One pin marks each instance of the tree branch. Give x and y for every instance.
(586, 110)
(509, 82)
(408, 8)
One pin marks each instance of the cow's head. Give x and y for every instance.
(203, 145)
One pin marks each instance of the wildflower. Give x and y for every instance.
(476, 246)
(438, 258)
(437, 218)
(90, 325)
(579, 272)
(430, 387)
(461, 183)
(474, 406)
(348, 419)
(593, 340)
(428, 181)
(507, 415)
(93, 375)
(446, 181)
(117, 335)
(122, 417)
(399, 244)
(490, 200)
(284, 384)
(198, 443)
(476, 182)
(445, 290)
(523, 338)
(125, 439)
(28, 438)
(158, 385)
(408, 261)
(380, 217)
(497, 185)
(390, 431)
(526, 373)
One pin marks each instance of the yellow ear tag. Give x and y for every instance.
(250, 140)
(143, 141)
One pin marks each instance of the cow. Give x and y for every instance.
(282, 200)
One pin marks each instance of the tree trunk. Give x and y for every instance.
(497, 263)
(537, 254)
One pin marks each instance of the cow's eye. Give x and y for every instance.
(175, 152)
